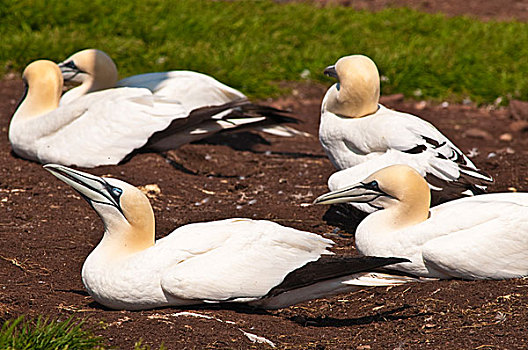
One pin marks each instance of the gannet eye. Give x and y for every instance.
(116, 191)
(373, 185)
(70, 64)
(338, 86)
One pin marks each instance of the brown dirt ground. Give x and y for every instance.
(483, 9)
(46, 232)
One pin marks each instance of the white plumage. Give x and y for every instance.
(234, 260)
(94, 70)
(361, 137)
(107, 126)
(481, 237)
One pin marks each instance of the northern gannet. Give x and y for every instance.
(106, 127)
(361, 136)
(257, 262)
(481, 237)
(94, 70)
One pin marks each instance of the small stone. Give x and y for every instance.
(444, 104)
(506, 137)
(477, 134)
(150, 190)
(363, 347)
(420, 105)
(512, 189)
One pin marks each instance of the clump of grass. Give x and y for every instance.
(253, 44)
(46, 334)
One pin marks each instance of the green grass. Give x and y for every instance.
(43, 334)
(252, 44)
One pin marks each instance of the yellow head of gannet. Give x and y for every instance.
(126, 212)
(93, 68)
(397, 188)
(257, 262)
(357, 92)
(43, 82)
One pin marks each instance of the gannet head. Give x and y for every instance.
(92, 67)
(124, 209)
(43, 88)
(357, 92)
(399, 188)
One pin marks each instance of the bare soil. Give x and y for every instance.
(483, 9)
(46, 231)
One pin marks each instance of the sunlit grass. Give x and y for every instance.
(252, 44)
(44, 334)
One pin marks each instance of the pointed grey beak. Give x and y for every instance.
(331, 72)
(93, 188)
(358, 193)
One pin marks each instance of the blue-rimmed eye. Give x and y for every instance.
(117, 191)
(70, 64)
(338, 86)
(373, 185)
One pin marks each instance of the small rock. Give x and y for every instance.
(420, 105)
(512, 189)
(150, 190)
(519, 125)
(392, 98)
(477, 134)
(363, 347)
(507, 150)
(506, 137)
(519, 109)
(444, 104)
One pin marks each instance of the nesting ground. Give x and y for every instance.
(46, 232)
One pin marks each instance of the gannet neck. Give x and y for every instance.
(130, 229)
(126, 212)
(357, 93)
(410, 194)
(94, 69)
(44, 87)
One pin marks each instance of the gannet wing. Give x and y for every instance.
(410, 140)
(480, 238)
(246, 259)
(115, 122)
(201, 94)
(192, 89)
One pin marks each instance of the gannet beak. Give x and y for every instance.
(331, 72)
(358, 193)
(92, 188)
(69, 70)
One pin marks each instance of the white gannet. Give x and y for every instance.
(481, 237)
(106, 127)
(234, 260)
(94, 70)
(361, 136)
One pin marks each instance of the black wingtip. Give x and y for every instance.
(330, 267)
